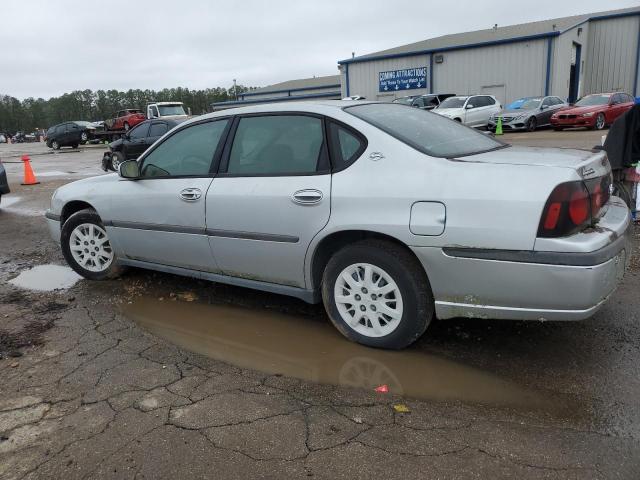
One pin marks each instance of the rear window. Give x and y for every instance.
(427, 132)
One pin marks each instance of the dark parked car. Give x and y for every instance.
(69, 134)
(136, 141)
(425, 102)
(4, 184)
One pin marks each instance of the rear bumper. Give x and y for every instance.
(535, 285)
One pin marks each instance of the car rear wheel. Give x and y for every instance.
(377, 294)
(600, 122)
(532, 123)
(55, 145)
(126, 127)
(86, 246)
(84, 137)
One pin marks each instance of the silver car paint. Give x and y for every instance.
(543, 116)
(492, 201)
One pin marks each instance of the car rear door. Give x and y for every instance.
(160, 217)
(271, 197)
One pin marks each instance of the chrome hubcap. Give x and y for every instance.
(90, 247)
(600, 122)
(368, 300)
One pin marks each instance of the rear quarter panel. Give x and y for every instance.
(487, 205)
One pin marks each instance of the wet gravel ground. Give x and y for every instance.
(88, 393)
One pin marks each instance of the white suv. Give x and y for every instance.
(472, 110)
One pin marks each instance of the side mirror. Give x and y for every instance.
(129, 169)
(469, 105)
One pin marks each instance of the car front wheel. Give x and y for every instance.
(377, 294)
(84, 137)
(532, 123)
(86, 246)
(55, 145)
(116, 159)
(600, 122)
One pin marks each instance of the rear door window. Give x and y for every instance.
(277, 145)
(158, 129)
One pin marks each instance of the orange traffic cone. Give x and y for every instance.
(29, 177)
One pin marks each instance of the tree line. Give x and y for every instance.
(37, 113)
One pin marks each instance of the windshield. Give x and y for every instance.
(591, 100)
(453, 102)
(84, 124)
(167, 110)
(427, 132)
(525, 104)
(404, 100)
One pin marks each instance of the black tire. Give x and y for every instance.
(126, 126)
(600, 122)
(620, 190)
(85, 216)
(55, 145)
(75, 145)
(84, 138)
(116, 159)
(406, 272)
(532, 123)
(458, 120)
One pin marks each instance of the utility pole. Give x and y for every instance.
(235, 89)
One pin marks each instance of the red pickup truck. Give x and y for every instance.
(126, 119)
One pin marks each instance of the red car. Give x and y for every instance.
(593, 111)
(126, 119)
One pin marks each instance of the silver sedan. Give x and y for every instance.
(390, 215)
(527, 113)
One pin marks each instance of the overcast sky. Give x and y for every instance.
(50, 47)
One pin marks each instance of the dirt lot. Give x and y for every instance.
(158, 376)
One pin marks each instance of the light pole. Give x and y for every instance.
(235, 89)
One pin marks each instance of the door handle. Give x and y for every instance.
(307, 197)
(190, 194)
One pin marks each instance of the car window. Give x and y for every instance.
(347, 145)
(488, 101)
(419, 102)
(427, 132)
(158, 129)
(276, 145)
(476, 102)
(140, 131)
(593, 100)
(189, 151)
(453, 102)
(154, 112)
(547, 102)
(431, 101)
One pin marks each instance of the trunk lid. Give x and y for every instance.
(587, 163)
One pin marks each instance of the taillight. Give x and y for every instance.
(568, 210)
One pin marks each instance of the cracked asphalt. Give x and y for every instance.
(86, 392)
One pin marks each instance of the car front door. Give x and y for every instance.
(473, 112)
(270, 198)
(160, 217)
(546, 110)
(135, 142)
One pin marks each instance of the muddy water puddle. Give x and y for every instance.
(46, 278)
(299, 347)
